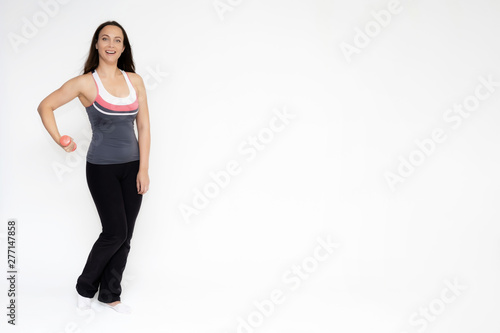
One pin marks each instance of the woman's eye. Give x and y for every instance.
(104, 38)
(118, 41)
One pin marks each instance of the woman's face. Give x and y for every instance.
(110, 43)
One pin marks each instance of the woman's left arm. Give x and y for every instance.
(144, 136)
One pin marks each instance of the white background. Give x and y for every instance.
(322, 176)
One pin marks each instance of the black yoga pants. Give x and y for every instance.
(114, 191)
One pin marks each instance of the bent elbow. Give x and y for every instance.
(43, 106)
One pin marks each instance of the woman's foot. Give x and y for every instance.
(118, 307)
(83, 303)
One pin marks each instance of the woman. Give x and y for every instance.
(117, 162)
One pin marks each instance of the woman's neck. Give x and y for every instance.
(108, 70)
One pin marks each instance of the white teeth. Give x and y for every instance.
(111, 52)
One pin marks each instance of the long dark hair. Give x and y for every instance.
(125, 62)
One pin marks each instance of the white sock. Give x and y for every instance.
(83, 303)
(120, 307)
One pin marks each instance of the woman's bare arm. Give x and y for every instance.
(144, 136)
(68, 91)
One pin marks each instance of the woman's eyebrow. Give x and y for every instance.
(109, 36)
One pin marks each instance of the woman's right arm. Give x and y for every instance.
(68, 91)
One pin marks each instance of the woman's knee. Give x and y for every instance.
(116, 238)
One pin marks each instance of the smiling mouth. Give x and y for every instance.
(110, 52)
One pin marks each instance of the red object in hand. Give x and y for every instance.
(65, 141)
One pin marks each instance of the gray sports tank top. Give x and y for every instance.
(112, 121)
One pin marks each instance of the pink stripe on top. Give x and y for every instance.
(114, 107)
(108, 101)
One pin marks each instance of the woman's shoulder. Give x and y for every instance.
(136, 79)
(83, 78)
(80, 80)
(134, 76)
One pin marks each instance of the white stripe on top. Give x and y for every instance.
(105, 95)
(119, 113)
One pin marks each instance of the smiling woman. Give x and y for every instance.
(116, 38)
(114, 97)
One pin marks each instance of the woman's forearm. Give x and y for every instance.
(68, 91)
(49, 121)
(144, 138)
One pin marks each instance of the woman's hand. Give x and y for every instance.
(142, 181)
(69, 148)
